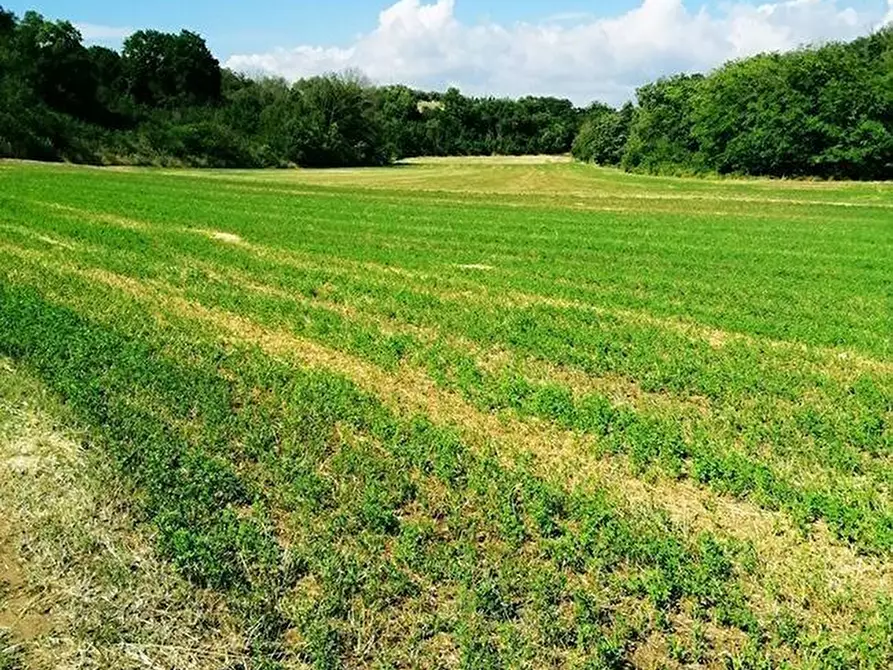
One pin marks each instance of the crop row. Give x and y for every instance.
(346, 532)
(315, 507)
(262, 478)
(845, 435)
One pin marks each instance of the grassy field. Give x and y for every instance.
(455, 413)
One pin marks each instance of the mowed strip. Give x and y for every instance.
(490, 290)
(619, 388)
(817, 474)
(816, 572)
(841, 362)
(583, 254)
(792, 361)
(236, 282)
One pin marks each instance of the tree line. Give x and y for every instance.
(165, 99)
(825, 111)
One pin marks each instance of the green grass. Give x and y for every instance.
(9, 654)
(483, 413)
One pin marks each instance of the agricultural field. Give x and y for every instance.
(481, 413)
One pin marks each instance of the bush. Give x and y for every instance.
(603, 136)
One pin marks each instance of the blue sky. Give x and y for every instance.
(583, 49)
(232, 26)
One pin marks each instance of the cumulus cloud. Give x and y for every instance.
(582, 57)
(92, 32)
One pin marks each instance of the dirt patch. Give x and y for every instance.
(21, 611)
(18, 611)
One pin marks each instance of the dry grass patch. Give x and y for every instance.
(221, 236)
(84, 588)
(94, 216)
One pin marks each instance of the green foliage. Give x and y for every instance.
(603, 136)
(162, 69)
(819, 111)
(333, 122)
(660, 134)
(165, 100)
(49, 56)
(822, 111)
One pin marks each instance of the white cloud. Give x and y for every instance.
(889, 17)
(92, 32)
(589, 58)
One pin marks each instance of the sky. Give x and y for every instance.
(582, 49)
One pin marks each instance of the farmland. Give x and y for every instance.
(458, 413)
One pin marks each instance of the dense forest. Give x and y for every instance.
(165, 100)
(825, 111)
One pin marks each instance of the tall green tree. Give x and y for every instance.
(335, 123)
(164, 69)
(402, 116)
(660, 136)
(52, 59)
(603, 136)
(822, 111)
